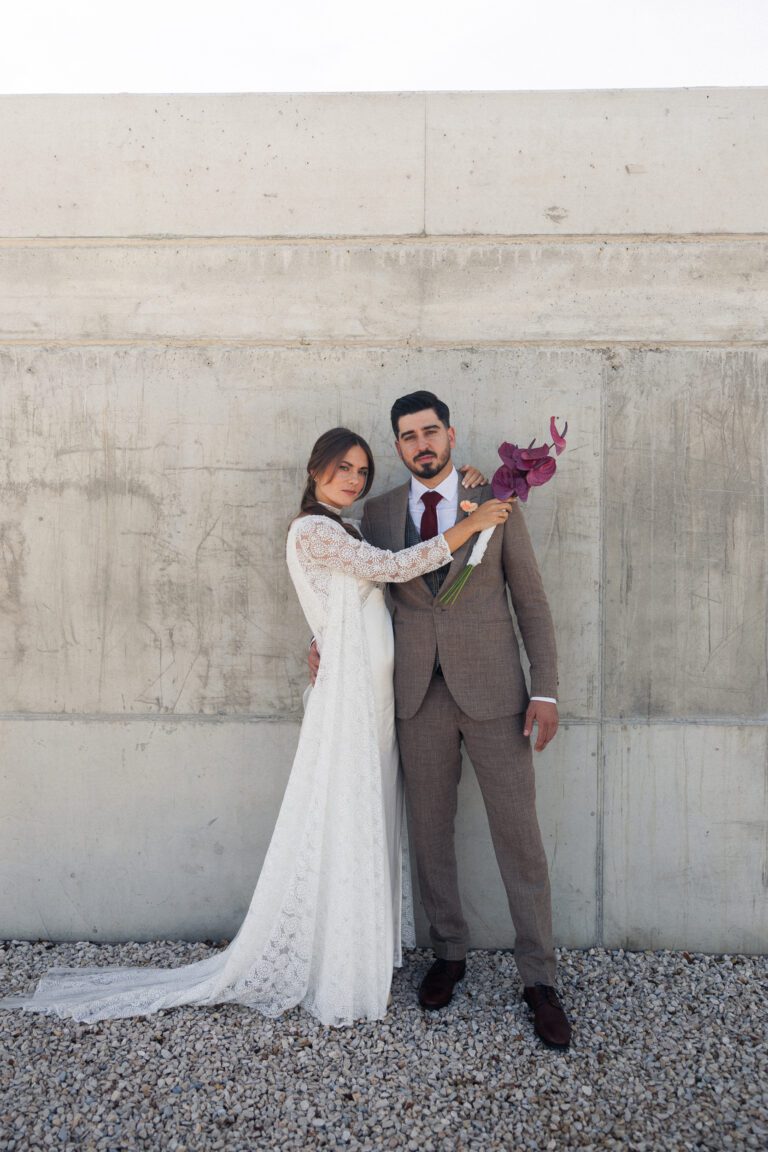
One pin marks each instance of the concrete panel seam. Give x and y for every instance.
(600, 781)
(294, 718)
(415, 343)
(144, 717)
(765, 613)
(673, 722)
(421, 239)
(424, 171)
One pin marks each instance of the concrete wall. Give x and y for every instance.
(191, 289)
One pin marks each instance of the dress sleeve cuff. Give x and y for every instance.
(446, 545)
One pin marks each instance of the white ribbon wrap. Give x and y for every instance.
(480, 546)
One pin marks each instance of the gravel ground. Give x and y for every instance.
(669, 1052)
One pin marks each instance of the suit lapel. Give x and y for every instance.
(460, 558)
(397, 513)
(397, 516)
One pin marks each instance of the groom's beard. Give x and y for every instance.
(429, 465)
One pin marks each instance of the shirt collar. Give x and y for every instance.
(447, 488)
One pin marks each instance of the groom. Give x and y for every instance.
(458, 678)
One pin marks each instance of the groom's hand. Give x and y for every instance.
(314, 662)
(544, 715)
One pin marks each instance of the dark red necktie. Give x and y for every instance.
(430, 500)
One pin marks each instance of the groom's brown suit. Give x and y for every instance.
(477, 694)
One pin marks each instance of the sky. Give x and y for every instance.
(92, 46)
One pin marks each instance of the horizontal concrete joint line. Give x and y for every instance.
(421, 239)
(682, 722)
(328, 342)
(160, 717)
(291, 718)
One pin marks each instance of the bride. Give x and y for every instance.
(323, 926)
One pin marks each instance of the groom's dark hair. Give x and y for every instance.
(417, 402)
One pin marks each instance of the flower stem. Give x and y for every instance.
(452, 594)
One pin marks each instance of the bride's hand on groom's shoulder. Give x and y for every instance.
(313, 660)
(471, 477)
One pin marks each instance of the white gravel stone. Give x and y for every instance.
(669, 1052)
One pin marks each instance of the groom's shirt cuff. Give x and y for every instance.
(545, 699)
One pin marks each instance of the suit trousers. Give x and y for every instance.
(430, 748)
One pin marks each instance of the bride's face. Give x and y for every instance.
(345, 480)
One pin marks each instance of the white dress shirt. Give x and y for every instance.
(447, 511)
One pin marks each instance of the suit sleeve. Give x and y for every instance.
(530, 603)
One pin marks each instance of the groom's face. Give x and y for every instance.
(424, 444)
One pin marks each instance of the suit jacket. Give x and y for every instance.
(473, 639)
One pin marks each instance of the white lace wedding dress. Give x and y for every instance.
(324, 925)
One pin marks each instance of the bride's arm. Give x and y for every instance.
(321, 541)
(325, 542)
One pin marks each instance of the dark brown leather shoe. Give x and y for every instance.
(437, 986)
(549, 1018)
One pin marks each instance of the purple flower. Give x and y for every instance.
(526, 468)
(558, 437)
(508, 482)
(540, 472)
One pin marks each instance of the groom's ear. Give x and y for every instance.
(397, 448)
(452, 437)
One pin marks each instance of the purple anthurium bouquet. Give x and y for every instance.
(521, 470)
(526, 468)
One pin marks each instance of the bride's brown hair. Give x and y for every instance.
(326, 453)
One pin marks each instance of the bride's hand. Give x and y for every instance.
(489, 514)
(471, 477)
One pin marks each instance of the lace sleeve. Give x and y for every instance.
(321, 542)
